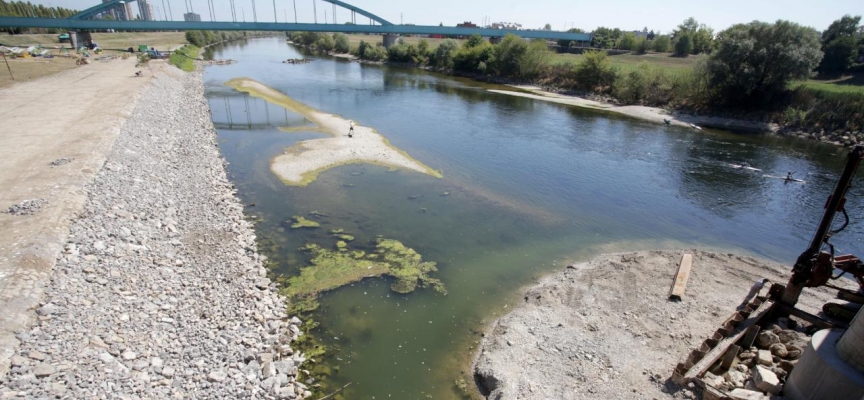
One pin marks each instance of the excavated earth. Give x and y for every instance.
(605, 329)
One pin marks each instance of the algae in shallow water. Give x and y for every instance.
(331, 269)
(300, 222)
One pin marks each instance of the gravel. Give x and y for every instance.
(26, 207)
(157, 293)
(605, 329)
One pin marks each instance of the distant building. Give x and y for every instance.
(128, 13)
(145, 10)
(192, 17)
(507, 25)
(466, 24)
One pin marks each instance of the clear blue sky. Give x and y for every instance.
(659, 15)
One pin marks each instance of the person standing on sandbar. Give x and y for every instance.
(351, 129)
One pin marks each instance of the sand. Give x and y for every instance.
(302, 163)
(652, 114)
(604, 329)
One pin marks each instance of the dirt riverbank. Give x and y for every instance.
(604, 329)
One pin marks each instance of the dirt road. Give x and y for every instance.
(74, 115)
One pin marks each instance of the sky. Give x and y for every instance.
(657, 15)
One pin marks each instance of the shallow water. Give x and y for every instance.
(531, 187)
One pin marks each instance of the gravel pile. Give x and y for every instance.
(25, 207)
(160, 292)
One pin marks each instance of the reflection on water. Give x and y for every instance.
(528, 186)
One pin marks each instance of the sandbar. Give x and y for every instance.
(645, 113)
(302, 163)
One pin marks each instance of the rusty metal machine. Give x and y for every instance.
(816, 266)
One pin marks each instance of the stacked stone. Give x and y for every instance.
(160, 292)
(762, 369)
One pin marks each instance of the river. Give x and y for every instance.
(528, 187)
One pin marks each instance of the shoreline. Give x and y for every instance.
(645, 113)
(609, 321)
(159, 290)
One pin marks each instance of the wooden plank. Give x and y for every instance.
(681, 277)
(750, 337)
(730, 355)
(711, 357)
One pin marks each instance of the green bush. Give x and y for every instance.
(184, 57)
(475, 56)
(646, 84)
(535, 61)
(661, 44)
(641, 46)
(442, 59)
(325, 43)
(793, 117)
(340, 42)
(594, 72)
(683, 45)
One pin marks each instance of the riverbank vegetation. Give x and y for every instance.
(723, 73)
(184, 57)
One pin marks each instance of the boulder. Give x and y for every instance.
(764, 357)
(766, 380)
(779, 350)
(744, 394)
(766, 338)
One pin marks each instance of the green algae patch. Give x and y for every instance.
(331, 269)
(300, 223)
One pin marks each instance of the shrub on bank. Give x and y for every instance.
(184, 57)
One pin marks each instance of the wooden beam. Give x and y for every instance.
(679, 285)
(718, 351)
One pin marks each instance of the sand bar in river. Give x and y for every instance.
(301, 163)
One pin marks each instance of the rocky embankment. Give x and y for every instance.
(840, 138)
(160, 292)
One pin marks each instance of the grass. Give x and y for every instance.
(184, 57)
(627, 62)
(846, 84)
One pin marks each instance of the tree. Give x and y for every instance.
(683, 45)
(325, 43)
(755, 61)
(594, 72)
(507, 55)
(662, 44)
(641, 46)
(340, 43)
(840, 44)
(547, 27)
(628, 42)
(651, 35)
(535, 59)
(443, 56)
(701, 36)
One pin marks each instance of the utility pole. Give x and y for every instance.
(325, 16)
(275, 19)
(170, 13)
(315, 10)
(243, 12)
(254, 12)
(295, 11)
